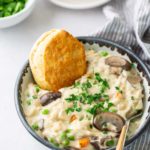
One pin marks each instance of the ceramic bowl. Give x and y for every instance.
(9, 21)
(25, 77)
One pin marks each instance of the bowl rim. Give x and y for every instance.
(88, 5)
(28, 4)
(84, 39)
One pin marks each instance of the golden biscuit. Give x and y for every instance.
(57, 59)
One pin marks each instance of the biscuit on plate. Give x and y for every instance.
(57, 59)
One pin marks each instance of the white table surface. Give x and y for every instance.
(15, 44)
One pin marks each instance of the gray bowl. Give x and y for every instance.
(25, 75)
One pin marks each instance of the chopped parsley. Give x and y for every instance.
(91, 126)
(71, 138)
(93, 109)
(110, 143)
(132, 98)
(118, 89)
(76, 84)
(34, 97)
(74, 108)
(81, 118)
(113, 110)
(105, 132)
(85, 97)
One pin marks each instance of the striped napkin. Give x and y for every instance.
(129, 25)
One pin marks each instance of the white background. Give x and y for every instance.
(15, 44)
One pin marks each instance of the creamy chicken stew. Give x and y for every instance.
(91, 113)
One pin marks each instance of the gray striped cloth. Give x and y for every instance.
(129, 25)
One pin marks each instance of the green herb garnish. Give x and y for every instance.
(105, 132)
(132, 98)
(11, 7)
(118, 89)
(110, 143)
(113, 110)
(45, 111)
(85, 97)
(74, 108)
(34, 97)
(81, 118)
(91, 126)
(76, 84)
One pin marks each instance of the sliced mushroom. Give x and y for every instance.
(108, 117)
(117, 61)
(115, 70)
(49, 97)
(134, 77)
(96, 145)
(95, 142)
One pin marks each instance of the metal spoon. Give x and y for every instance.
(124, 130)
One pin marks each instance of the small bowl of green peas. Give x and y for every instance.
(14, 11)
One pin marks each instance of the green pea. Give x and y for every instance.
(65, 142)
(10, 7)
(104, 53)
(45, 111)
(1, 8)
(71, 138)
(51, 140)
(35, 127)
(7, 13)
(68, 130)
(29, 102)
(1, 14)
(63, 136)
(37, 89)
(18, 7)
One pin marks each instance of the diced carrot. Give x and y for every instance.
(73, 117)
(84, 142)
(118, 95)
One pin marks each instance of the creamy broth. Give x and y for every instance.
(74, 119)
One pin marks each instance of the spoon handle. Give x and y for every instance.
(122, 137)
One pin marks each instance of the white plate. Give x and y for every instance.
(79, 4)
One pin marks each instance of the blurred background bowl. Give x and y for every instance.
(12, 20)
(79, 4)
